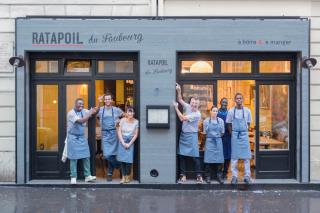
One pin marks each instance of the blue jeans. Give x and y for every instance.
(86, 167)
(112, 164)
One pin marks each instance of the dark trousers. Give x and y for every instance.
(112, 164)
(183, 165)
(217, 168)
(226, 167)
(126, 168)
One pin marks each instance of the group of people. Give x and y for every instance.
(227, 138)
(119, 131)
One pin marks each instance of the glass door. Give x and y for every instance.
(276, 143)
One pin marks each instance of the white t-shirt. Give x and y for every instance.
(239, 115)
(191, 125)
(127, 128)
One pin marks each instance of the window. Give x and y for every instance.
(47, 118)
(275, 66)
(47, 67)
(78, 66)
(197, 67)
(115, 66)
(235, 66)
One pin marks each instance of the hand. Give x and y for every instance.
(127, 146)
(92, 111)
(178, 87)
(175, 104)
(101, 98)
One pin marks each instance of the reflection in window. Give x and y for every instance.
(47, 67)
(115, 66)
(47, 117)
(205, 95)
(274, 117)
(78, 66)
(236, 66)
(197, 67)
(275, 66)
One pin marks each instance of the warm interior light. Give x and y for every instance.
(54, 101)
(201, 67)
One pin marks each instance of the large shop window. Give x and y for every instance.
(274, 117)
(47, 118)
(197, 67)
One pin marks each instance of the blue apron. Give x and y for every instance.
(77, 147)
(240, 138)
(226, 138)
(213, 148)
(188, 144)
(109, 139)
(125, 155)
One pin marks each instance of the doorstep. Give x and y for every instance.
(261, 184)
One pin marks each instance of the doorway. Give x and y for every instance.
(57, 79)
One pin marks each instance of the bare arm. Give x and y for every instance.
(86, 117)
(120, 136)
(136, 133)
(179, 95)
(180, 115)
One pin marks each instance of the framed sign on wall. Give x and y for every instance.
(158, 116)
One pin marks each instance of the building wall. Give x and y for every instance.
(310, 8)
(9, 10)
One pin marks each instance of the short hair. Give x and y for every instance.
(224, 98)
(238, 93)
(78, 99)
(108, 94)
(213, 106)
(130, 109)
(196, 98)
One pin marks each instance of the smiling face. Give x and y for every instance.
(224, 103)
(194, 103)
(79, 105)
(130, 113)
(214, 112)
(107, 100)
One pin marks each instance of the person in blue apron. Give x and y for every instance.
(127, 133)
(109, 117)
(239, 119)
(188, 141)
(213, 127)
(77, 143)
(226, 138)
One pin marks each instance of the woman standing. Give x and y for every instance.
(127, 133)
(213, 127)
(226, 138)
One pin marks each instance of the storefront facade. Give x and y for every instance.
(139, 60)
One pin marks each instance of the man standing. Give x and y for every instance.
(77, 143)
(188, 141)
(109, 119)
(239, 119)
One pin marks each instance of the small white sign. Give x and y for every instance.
(158, 116)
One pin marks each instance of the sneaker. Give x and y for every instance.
(123, 180)
(246, 180)
(90, 178)
(199, 179)
(234, 181)
(109, 178)
(73, 181)
(182, 179)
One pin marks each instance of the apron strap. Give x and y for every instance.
(103, 114)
